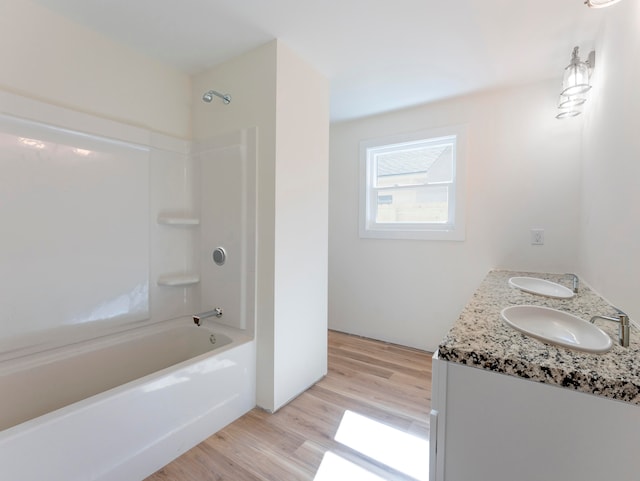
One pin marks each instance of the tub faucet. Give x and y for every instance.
(576, 281)
(203, 315)
(623, 328)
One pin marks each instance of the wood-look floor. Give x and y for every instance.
(386, 383)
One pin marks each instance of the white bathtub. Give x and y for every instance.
(120, 408)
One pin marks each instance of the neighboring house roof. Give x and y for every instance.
(409, 161)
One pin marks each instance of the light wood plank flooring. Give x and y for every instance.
(371, 387)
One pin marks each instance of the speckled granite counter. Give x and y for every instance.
(480, 338)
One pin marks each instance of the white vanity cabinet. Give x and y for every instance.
(488, 426)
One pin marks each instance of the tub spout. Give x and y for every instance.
(217, 312)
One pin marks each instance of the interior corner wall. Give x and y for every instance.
(610, 227)
(522, 173)
(301, 251)
(49, 58)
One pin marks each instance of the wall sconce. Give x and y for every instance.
(599, 3)
(575, 84)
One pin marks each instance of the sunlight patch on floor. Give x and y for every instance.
(334, 467)
(392, 447)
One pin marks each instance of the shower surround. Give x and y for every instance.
(109, 232)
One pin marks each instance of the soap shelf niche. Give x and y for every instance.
(177, 219)
(178, 280)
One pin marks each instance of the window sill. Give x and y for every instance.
(456, 234)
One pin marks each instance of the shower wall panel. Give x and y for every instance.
(75, 214)
(227, 193)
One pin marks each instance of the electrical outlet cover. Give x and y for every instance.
(537, 237)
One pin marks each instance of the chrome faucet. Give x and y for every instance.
(576, 281)
(217, 312)
(623, 328)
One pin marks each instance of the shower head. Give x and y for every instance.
(208, 96)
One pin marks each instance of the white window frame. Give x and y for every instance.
(454, 230)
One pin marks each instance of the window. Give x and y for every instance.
(412, 186)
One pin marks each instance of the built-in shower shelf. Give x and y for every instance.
(178, 220)
(178, 280)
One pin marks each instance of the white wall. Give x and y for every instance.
(47, 57)
(610, 221)
(287, 102)
(523, 172)
(302, 183)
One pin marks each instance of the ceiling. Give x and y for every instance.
(379, 55)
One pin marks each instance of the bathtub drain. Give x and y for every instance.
(212, 339)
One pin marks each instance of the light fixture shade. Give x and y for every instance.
(576, 79)
(565, 114)
(575, 84)
(600, 3)
(568, 101)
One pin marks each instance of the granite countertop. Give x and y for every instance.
(480, 338)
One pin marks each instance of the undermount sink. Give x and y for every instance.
(557, 327)
(541, 287)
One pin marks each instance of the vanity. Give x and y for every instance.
(509, 407)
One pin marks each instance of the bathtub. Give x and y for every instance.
(121, 407)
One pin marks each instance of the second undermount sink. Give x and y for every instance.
(557, 327)
(541, 287)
